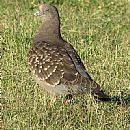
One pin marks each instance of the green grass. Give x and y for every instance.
(100, 32)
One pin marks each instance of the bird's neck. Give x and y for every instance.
(49, 30)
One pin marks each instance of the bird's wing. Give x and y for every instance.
(54, 65)
(77, 61)
(89, 82)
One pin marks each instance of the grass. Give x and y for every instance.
(100, 32)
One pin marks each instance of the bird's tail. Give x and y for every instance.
(99, 94)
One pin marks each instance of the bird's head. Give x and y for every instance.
(47, 12)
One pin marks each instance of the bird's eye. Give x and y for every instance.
(46, 10)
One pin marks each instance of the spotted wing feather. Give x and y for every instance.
(53, 65)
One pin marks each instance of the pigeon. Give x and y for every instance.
(55, 65)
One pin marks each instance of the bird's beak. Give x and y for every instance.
(38, 13)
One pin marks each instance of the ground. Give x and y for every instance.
(100, 32)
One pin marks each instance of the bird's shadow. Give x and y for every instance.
(123, 99)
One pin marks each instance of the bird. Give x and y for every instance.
(54, 63)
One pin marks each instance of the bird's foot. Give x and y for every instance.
(68, 99)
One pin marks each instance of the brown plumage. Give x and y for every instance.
(55, 64)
